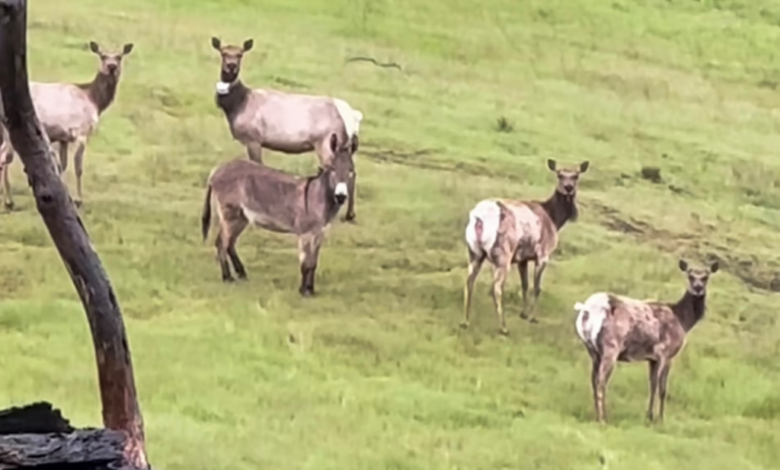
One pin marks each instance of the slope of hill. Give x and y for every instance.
(374, 372)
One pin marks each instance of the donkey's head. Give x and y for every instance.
(567, 177)
(341, 167)
(698, 277)
(231, 59)
(110, 62)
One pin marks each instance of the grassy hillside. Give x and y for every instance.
(374, 373)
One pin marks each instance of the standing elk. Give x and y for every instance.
(279, 121)
(245, 191)
(618, 328)
(507, 232)
(69, 113)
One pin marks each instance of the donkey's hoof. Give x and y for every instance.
(241, 276)
(350, 217)
(524, 315)
(504, 331)
(306, 292)
(228, 279)
(464, 324)
(533, 320)
(77, 203)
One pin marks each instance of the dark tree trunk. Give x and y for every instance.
(115, 372)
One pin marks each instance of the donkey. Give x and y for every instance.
(618, 328)
(284, 122)
(508, 232)
(69, 112)
(246, 191)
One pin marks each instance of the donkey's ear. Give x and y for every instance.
(127, 49)
(248, 44)
(354, 144)
(551, 164)
(714, 267)
(93, 46)
(334, 143)
(683, 265)
(216, 43)
(584, 166)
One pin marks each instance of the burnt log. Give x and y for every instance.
(115, 371)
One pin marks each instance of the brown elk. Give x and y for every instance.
(69, 112)
(617, 328)
(507, 232)
(283, 122)
(245, 191)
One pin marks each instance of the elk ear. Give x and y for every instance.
(584, 166)
(248, 44)
(93, 46)
(683, 265)
(714, 267)
(354, 144)
(551, 164)
(127, 49)
(334, 143)
(216, 43)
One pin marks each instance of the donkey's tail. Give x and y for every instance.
(482, 229)
(205, 218)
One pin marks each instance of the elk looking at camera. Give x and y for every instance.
(69, 113)
(507, 232)
(283, 122)
(246, 192)
(616, 328)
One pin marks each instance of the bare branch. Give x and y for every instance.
(374, 61)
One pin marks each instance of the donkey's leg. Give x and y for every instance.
(500, 270)
(221, 245)
(254, 151)
(236, 227)
(653, 380)
(475, 264)
(78, 164)
(522, 269)
(308, 254)
(539, 268)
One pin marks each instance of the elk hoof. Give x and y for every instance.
(77, 203)
(504, 331)
(350, 217)
(241, 276)
(524, 315)
(306, 292)
(9, 206)
(533, 320)
(464, 324)
(228, 279)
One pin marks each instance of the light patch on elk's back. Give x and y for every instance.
(528, 231)
(65, 109)
(488, 213)
(350, 116)
(590, 318)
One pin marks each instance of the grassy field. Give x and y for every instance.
(374, 373)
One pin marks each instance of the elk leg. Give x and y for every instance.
(653, 376)
(308, 254)
(663, 377)
(351, 196)
(78, 164)
(539, 268)
(7, 196)
(63, 158)
(499, 277)
(606, 366)
(255, 152)
(238, 226)
(522, 268)
(475, 264)
(594, 379)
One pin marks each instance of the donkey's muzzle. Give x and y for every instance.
(340, 194)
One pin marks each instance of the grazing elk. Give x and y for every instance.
(70, 112)
(245, 191)
(618, 328)
(284, 122)
(507, 232)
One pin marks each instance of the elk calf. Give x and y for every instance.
(284, 122)
(247, 192)
(616, 328)
(508, 232)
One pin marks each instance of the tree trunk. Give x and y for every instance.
(115, 371)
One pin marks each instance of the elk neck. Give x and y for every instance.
(101, 90)
(233, 102)
(560, 208)
(689, 310)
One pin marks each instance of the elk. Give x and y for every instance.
(507, 232)
(617, 328)
(69, 112)
(6, 157)
(245, 191)
(279, 121)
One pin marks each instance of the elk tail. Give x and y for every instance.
(482, 230)
(205, 218)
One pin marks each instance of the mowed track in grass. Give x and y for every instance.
(374, 372)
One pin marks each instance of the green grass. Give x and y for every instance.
(374, 373)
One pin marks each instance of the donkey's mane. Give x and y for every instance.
(306, 185)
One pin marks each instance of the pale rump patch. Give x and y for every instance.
(223, 88)
(351, 117)
(591, 318)
(489, 213)
(341, 189)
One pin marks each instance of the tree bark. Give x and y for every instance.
(88, 446)
(115, 371)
